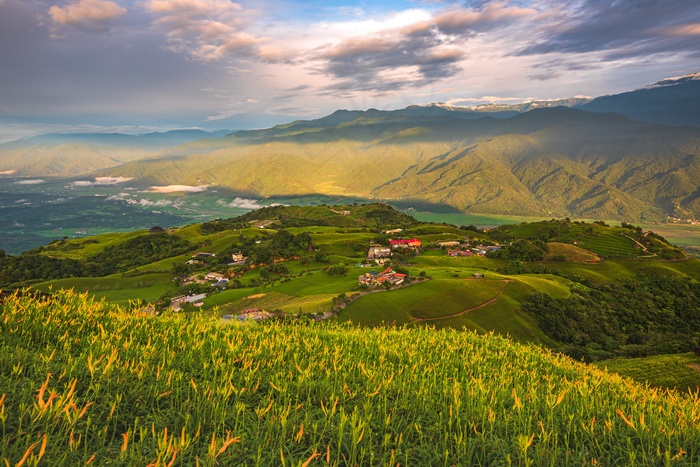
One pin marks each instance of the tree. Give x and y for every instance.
(321, 257)
(337, 269)
(514, 267)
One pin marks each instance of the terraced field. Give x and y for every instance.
(607, 242)
(681, 372)
(432, 299)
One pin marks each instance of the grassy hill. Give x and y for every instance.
(86, 382)
(304, 262)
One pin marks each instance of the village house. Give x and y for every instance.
(214, 276)
(409, 243)
(374, 278)
(238, 258)
(256, 314)
(459, 253)
(196, 300)
(342, 213)
(391, 232)
(450, 243)
(203, 255)
(378, 251)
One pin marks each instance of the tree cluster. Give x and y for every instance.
(632, 318)
(522, 250)
(144, 249)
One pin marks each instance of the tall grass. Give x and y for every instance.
(83, 382)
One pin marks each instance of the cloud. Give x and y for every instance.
(293, 110)
(30, 182)
(223, 115)
(101, 181)
(240, 203)
(211, 30)
(543, 76)
(159, 203)
(87, 14)
(412, 54)
(619, 29)
(119, 197)
(468, 21)
(178, 188)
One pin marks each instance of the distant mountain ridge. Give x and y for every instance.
(576, 160)
(67, 154)
(672, 101)
(550, 162)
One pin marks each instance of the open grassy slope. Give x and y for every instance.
(83, 382)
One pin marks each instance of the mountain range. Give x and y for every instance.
(80, 153)
(633, 156)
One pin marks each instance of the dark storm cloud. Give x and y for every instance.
(622, 29)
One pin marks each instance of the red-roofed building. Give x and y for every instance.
(388, 275)
(410, 243)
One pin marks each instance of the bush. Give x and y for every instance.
(337, 269)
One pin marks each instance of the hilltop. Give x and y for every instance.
(90, 382)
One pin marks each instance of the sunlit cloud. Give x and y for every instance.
(29, 182)
(178, 188)
(158, 203)
(210, 30)
(100, 181)
(87, 14)
(168, 64)
(243, 203)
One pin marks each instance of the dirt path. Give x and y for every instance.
(481, 305)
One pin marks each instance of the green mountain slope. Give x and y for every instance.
(550, 161)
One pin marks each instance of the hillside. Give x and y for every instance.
(81, 153)
(337, 263)
(549, 161)
(89, 382)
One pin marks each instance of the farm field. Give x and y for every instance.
(89, 382)
(680, 372)
(117, 289)
(683, 235)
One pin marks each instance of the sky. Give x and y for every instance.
(151, 65)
